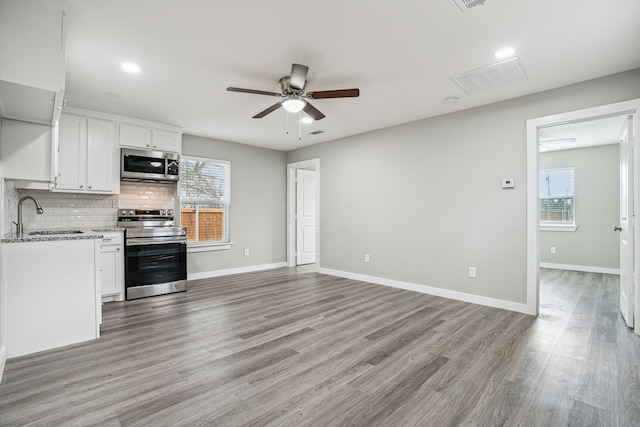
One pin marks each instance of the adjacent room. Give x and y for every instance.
(259, 213)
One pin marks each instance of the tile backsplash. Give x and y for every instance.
(69, 210)
(147, 196)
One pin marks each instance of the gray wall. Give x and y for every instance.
(597, 204)
(424, 199)
(3, 337)
(258, 205)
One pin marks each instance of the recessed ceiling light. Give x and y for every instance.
(504, 52)
(130, 67)
(452, 100)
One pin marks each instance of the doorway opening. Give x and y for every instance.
(303, 213)
(542, 130)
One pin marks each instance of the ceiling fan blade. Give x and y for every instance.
(298, 76)
(340, 93)
(271, 109)
(257, 92)
(313, 112)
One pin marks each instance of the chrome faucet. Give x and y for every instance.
(39, 210)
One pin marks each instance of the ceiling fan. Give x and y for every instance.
(294, 99)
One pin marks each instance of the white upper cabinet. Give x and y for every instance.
(32, 60)
(102, 170)
(166, 141)
(71, 168)
(149, 138)
(135, 136)
(86, 155)
(26, 151)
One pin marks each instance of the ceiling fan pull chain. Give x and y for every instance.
(299, 126)
(287, 123)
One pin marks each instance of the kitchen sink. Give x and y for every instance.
(48, 232)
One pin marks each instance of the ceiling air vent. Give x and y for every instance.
(491, 76)
(465, 5)
(316, 132)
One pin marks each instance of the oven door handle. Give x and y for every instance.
(155, 241)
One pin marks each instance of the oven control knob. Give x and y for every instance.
(170, 212)
(132, 213)
(123, 213)
(163, 212)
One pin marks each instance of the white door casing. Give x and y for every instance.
(305, 217)
(533, 261)
(292, 168)
(626, 226)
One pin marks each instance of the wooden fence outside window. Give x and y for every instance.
(203, 224)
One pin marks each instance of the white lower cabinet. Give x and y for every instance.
(50, 296)
(111, 265)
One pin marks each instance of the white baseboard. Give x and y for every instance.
(584, 268)
(229, 271)
(429, 290)
(3, 360)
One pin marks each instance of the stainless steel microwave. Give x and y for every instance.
(150, 166)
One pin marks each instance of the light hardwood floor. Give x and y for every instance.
(289, 347)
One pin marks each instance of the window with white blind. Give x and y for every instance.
(557, 202)
(205, 194)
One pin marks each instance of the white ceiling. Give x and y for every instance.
(567, 136)
(400, 54)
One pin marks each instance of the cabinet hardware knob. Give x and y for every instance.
(616, 228)
(82, 186)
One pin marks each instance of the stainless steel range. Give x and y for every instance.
(155, 253)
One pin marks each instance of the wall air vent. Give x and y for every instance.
(465, 5)
(491, 76)
(316, 132)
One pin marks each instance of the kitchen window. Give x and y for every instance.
(205, 194)
(557, 203)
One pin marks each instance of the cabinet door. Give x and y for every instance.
(111, 264)
(166, 141)
(71, 170)
(109, 256)
(101, 156)
(26, 151)
(135, 136)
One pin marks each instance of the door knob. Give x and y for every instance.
(616, 228)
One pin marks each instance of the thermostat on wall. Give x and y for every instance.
(508, 183)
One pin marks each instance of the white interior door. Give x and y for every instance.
(626, 226)
(305, 217)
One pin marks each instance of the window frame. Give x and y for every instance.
(210, 245)
(559, 226)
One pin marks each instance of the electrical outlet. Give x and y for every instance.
(246, 252)
(472, 272)
(553, 249)
(366, 258)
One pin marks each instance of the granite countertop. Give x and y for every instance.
(53, 235)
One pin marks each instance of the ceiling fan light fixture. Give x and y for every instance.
(294, 105)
